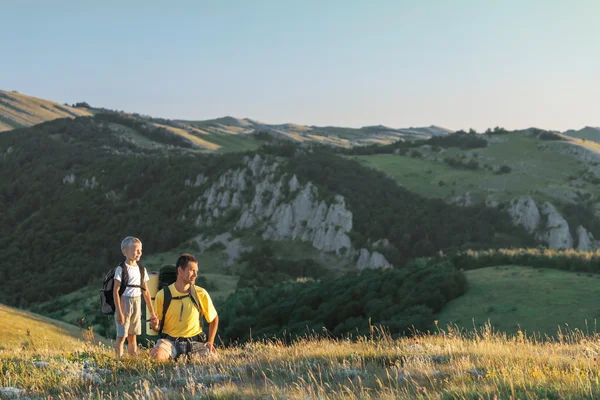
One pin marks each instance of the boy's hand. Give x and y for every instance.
(120, 318)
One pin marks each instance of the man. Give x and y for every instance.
(181, 333)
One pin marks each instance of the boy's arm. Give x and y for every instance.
(148, 300)
(117, 299)
(147, 297)
(159, 304)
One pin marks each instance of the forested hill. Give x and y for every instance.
(72, 188)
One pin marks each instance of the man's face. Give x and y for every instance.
(134, 252)
(189, 273)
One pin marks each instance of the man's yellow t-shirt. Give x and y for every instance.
(184, 322)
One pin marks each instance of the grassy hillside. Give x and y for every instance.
(24, 329)
(536, 300)
(538, 168)
(221, 278)
(221, 134)
(18, 110)
(231, 143)
(444, 365)
(587, 133)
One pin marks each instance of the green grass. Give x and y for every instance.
(132, 134)
(230, 143)
(536, 300)
(535, 172)
(10, 122)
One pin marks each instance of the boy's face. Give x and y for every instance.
(134, 252)
(189, 273)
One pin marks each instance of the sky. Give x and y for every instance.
(453, 63)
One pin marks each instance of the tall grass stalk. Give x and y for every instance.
(450, 363)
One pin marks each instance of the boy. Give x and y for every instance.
(128, 307)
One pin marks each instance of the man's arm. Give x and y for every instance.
(212, 332)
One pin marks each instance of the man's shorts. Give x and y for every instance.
(132, 311)
(175, 349)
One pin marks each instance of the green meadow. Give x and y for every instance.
(532, 300)
(537, 170)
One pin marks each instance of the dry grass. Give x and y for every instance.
(27, 110)
(22, 329)
(447, 364)
(194, 139)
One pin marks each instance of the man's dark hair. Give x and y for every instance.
(184, 259)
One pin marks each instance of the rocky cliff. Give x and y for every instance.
(280, 207)
(549, 226)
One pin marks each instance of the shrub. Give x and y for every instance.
(505, 169)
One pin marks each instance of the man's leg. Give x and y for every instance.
(164, 350)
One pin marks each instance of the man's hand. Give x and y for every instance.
(211, 347)
(120, 318)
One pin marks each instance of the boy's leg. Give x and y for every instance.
(131, 344)
(135, 324)
(121, 333)
(119, 346)
(122, 330)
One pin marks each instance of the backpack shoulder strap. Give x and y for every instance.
(166, 303)
(142, 280)
(124, 278)
(195, 299)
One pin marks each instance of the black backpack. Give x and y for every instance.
(106, 294)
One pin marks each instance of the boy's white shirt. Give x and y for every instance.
(133, 279)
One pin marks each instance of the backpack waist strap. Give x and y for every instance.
(135, 286)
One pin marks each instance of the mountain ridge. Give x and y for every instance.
(18, 110)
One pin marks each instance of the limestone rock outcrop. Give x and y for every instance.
(69, 179)
(585, 240)
(368, 260)
(549, 226)
(524, 212)
(556, 230)
(279, 206)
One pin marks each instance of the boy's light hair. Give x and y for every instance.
(128, 242)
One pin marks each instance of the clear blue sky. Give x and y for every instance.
(457, 64)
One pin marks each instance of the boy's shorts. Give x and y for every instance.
(132, 310)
